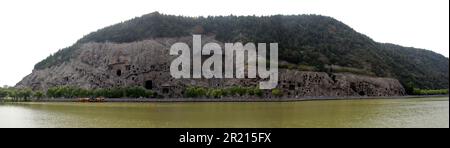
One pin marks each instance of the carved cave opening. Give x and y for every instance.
(119, 73)
(149, 84)
(362, 93)
(166, 90)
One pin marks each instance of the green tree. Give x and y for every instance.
(3, 93)
(24, 94)
(277, 93)
(215, 93)
(38, 95)
(409, 88)
(12, 93)
(194, 92)
(137, 92)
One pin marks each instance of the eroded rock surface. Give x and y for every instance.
(147, 63)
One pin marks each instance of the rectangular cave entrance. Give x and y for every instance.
(149, 84)
(291, 87)
(166, 90)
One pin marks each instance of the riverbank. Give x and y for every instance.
(229, 99)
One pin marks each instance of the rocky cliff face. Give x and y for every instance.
(147, 63)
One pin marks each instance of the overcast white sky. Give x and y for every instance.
(30, 30)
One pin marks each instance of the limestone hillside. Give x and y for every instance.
(132, 53)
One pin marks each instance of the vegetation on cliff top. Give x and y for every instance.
(308, 40)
